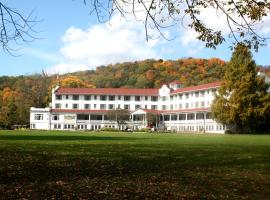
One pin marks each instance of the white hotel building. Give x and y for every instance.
(180, 109)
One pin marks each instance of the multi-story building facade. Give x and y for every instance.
(178, 108)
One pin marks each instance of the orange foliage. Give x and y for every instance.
(150, 75)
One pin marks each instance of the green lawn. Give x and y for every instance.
(78, 165)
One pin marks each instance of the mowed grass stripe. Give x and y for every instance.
(37, 164)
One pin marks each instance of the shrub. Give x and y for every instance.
(228, 132)
(110, 129)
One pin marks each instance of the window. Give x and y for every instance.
(57, 126)
(163, 107)
(202, 104)
(146, 98)
(182, 116)
(173, 117)
(103, 106)
(196, 94)
(82, 117)
(58, 97)
(137, 98)
(111, 106)
(137, 106)
(186, 105)
(66, 106)
(126, 98)
(180, 96)
(38, 116)
(87, 97)
(171, 107)
(191, 116)
(145, 106)
(200, 116)
(196, 104)
(58, 105)
(95, 97)
(166, 117)
(86, 106)
(75, 106)
(214, 90)
(153, 107)
(103, 98)
(96, 117)
(180, 106)
(95, 106)
(171, 98)
(187, 95)
(154, 98)
(75, 97)
(202, 93)
(119, 97)
(66, 96)
(118, 106)
(126, 106)
(55, 117)
(163, 98)
(111, 98)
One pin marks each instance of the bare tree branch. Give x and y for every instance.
(14, 28)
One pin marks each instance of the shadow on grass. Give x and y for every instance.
(66, 138)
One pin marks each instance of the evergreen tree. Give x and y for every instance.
(242, 102)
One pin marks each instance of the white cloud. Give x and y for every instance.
(103, 44)
(62, 68)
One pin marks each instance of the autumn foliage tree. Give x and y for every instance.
(242, 102)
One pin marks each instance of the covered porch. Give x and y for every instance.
(145, 118)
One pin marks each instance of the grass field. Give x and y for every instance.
(77, 165)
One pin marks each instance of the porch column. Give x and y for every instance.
(132, 121)
(204, 116)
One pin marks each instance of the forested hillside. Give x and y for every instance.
(18, 94)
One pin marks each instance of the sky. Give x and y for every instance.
(69, 38)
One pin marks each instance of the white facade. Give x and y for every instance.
(178, 109)
(40, 118)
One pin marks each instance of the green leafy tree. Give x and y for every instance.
(242, 101)
(152, 119)
(121, 116)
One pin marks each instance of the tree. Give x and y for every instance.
(8, 112)
(152, 119)
(242, 101)
(72, 81)
(242, 18)
(121, 116)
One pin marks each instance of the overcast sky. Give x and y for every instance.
(72, 39)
